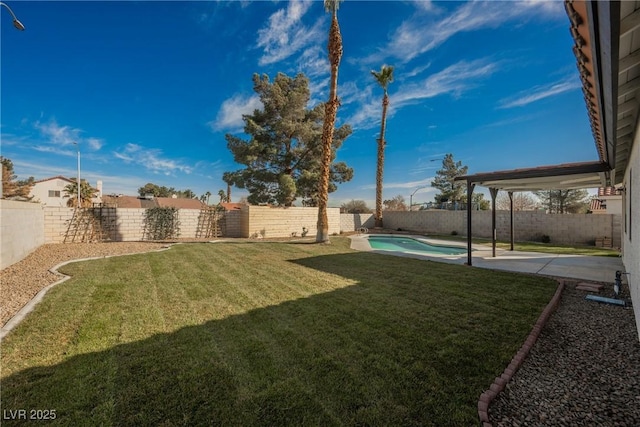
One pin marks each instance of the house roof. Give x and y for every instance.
(232, 206)
(56, 177)
(607, 49)
(141, 203)
(180, 203)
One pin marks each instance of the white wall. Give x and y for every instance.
(631, 226)
(21, 230)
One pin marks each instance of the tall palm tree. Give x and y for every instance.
(383, 77)
(334, 48)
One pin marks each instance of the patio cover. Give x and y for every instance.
(558, 177)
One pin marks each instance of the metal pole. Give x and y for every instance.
(78, 182)
(19, 26)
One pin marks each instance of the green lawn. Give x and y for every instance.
(547, 248)
(268, 334)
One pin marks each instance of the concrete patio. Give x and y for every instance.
(591, 268)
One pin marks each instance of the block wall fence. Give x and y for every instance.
(250, 221)
(21, 230)
(528, 225)
(25, 226)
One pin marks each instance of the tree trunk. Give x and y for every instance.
(380, 168)
(330, 112)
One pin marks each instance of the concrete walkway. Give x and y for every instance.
(590, 268)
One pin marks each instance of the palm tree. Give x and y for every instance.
(207, 195)
(383, 77)
(86, 194)
(334, 48)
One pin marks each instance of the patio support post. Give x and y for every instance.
(470, 187)
(494, 193)
(511, 216)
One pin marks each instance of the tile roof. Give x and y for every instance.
(142, 203)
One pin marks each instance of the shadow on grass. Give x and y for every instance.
(415, 350)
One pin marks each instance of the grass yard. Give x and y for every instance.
(547, 248)
(259, 333)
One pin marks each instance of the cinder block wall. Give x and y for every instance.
(528, 225)
(21, 230)
(56, 222)
(234, 223)
(282, 222)
(126, 225)
(352, 222)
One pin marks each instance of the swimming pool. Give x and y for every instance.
(408, 244)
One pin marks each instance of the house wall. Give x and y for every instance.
(528, 225)
(631, 226)
(40, 192)
(21, 230)
(614, 205)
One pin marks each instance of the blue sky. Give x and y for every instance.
(149, 89)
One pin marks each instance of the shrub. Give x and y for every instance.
(545, 238)
(454, 233)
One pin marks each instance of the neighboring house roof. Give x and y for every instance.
(180, 203)
(142, 203)
(55, 177)
(608, 191)
(596, 205)
(232, 206)
(121, 201)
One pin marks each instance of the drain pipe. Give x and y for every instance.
(617, 286)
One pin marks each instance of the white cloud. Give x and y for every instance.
(540, 92)
(426, 183)
(421, 33)
(230, 114)
(151, 159)
(285, 34)
(55, 138)
(453, 80)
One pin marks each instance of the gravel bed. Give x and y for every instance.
(584, 370)
(23, 280)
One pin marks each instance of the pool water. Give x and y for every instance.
(407, 244)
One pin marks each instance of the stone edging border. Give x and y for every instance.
(28, 307)
(500, 382)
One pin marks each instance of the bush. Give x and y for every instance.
(454, 233)
(545, 238)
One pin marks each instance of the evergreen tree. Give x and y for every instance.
(564, 201)
(450, 190)
(282, 158)
(11, 186)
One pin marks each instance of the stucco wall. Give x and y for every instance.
(631, 226)
(528, 225)
(21, 230)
